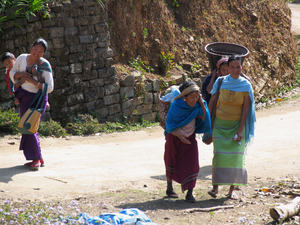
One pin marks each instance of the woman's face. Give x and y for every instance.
(224, 69)
(235, 68)
(37, 51)
(192, 98)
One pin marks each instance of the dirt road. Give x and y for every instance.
(295, 8)
(86, 165)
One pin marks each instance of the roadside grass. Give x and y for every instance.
(84, 124)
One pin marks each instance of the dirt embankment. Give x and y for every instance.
(147, 28)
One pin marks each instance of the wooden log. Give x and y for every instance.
(283, 212)
(210, 208)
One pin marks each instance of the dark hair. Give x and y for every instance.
(41, 42)
(234, 57)
(185, 85)
(8, 55)
(223, 63)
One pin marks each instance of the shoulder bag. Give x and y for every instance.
(30, 121)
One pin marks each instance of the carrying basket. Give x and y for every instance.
(218, 50)
(163, 110)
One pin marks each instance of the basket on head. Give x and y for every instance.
(163, 110)
(217, 50)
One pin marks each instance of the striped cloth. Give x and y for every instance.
(229, 157)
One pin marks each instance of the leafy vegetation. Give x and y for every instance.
(141, 65)
(167, 61)
(14, 9)
(9, 121)
(52, 128)
(84, 124)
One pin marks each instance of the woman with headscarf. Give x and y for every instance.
(30, 73)
(188, 115)
(233, 128)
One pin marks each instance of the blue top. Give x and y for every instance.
(181, 114)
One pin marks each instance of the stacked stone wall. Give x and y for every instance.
(79, 53)
(84, 75)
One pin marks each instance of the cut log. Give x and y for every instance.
(210, 208)
(283, 212)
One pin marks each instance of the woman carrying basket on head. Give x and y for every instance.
(188, 115)
(233, 128)
(29, 73)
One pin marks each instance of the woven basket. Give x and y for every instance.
(163, 110)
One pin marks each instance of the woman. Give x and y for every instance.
(188, 114)
(29, 73)
(221, 70)
(233, 129)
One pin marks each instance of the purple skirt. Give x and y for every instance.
(30, 143)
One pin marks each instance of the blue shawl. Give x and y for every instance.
(240, 85)
(180, 114)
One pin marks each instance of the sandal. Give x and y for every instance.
(35, 165)
(190, 198)
(42, 162)
(171, 194)
(212, 193)
(233, 196)
(28, 164)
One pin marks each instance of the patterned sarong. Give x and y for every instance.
(229, 157)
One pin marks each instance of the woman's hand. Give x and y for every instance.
(215, 74)
(184, 140)
(181, 137)
(200, 100)
(239, 135)
(26, 76)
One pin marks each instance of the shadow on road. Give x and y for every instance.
(6, 174)
(203, 173)
(167, 204)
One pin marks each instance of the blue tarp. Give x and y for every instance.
(131, 216)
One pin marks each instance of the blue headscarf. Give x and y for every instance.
(240, 85)
(181, 114)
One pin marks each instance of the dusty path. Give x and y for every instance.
(295, 8)
(87, 165)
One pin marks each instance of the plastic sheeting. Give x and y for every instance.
(132, 216)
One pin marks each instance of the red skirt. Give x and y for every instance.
(181, 161)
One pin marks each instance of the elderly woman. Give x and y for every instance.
(29, 74)
(233, 128)
(188, 114)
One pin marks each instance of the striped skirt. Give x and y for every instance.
(229, 157)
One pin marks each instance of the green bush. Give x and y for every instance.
(52, 128)
(9, 121)
(84, 125)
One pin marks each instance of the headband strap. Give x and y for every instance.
(187, 91)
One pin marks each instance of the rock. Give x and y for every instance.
(128, 81)
(187, 66)
(126, 92)
(137, 75)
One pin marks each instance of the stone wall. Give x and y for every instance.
(84, 75)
